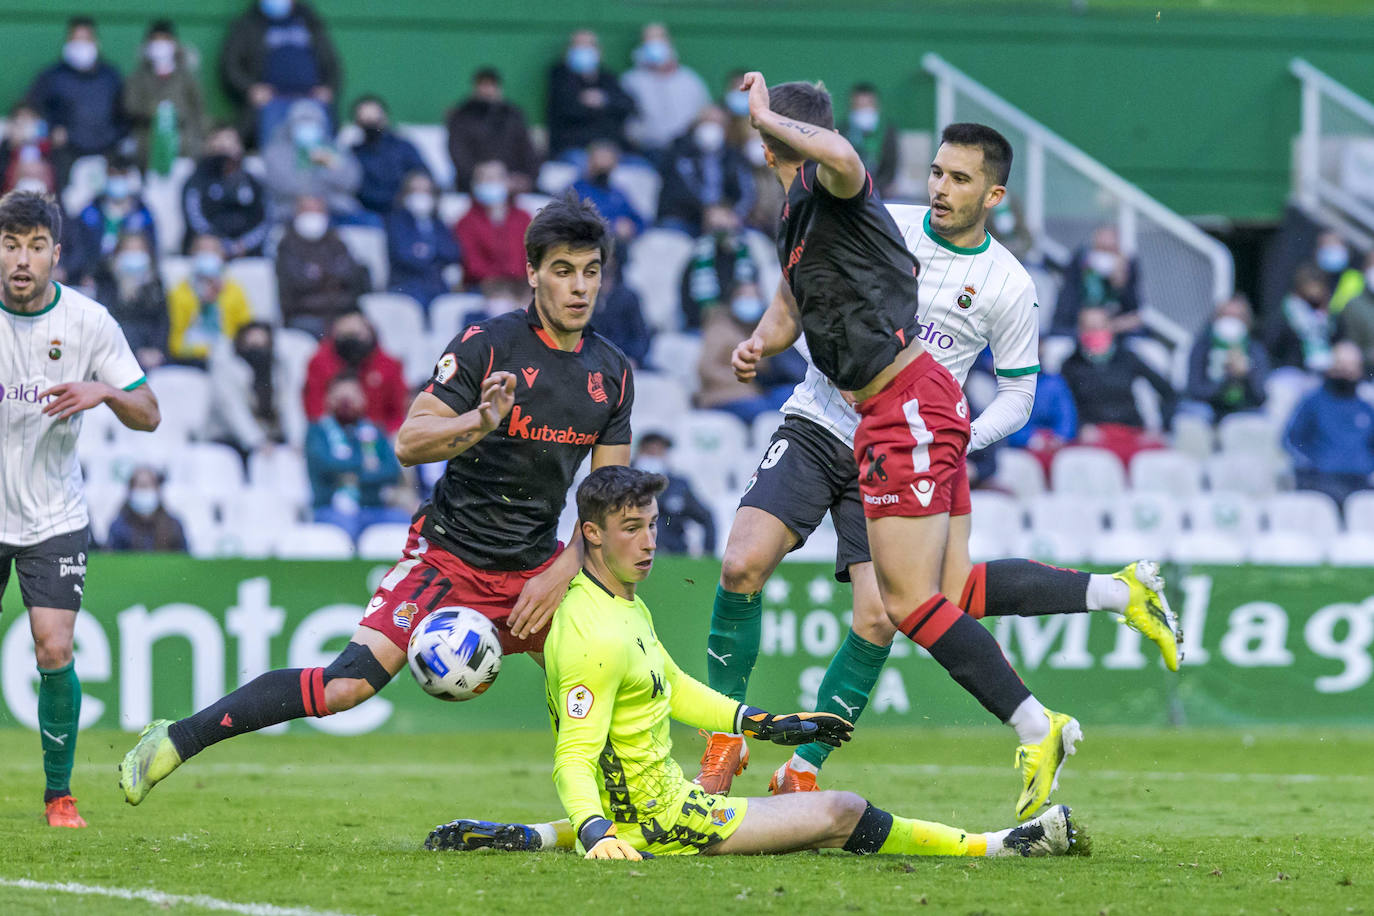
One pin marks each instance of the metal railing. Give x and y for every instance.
(1066, 194)
(1334, 155)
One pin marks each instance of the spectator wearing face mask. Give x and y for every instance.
(386, 157)
(1330, 436)
(350, 463)
(486, 127)
(586, 103)
(723, 326)
(700, 171)
(162, 100)
(871, 135)
(492, 234)
(734, 101)
(1343, 278)
(26, 153)
(317, 278)
(352, 349)
(79, 99)
(1053, 422)
(1300, 334)
(222, 199)
(1007, 224)
(420, 247)
(254, 403)
(117, 210)
(668, 96)
(619, 315)
(278, 52)
(127, 283)
(602, 158)
(1227, 367)
(720, 262)
(678, 505)
(206, 307)
(143, 523)
(1101, 276)
(1100, 375)
(302, 158)
(1356, 322)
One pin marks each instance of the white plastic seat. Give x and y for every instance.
(283, 471)
(556, 177)
(183, 396)
(400, 324)
(85, 180)
(1231, 514)
(294, 348)
(162, 194)
(1359, 511)
(367, 244)
(1303, 513)
(1149, 513)
(1061, 513)
(532, 201)
(1019, 471)
(1166, 470)
(1208, 548)
(1193, 436)
(762, 429)
(1114, 548)
(1054, 350)
(259, 507)
(104, 497)
(453, 207)
(313, 541)
(213, 469)
(1087, 471)
(172, 269)
(1254, 474)
(821, 546)
(707, 446)
(677, 354)
(386, 540)
(654, 270)
(258, 277)
(1248, 432)
(997, 518)
(1056, 547)
(1281, 548)
(641, 185)
(447, 312)
(1283, 390)
(431, 141)
(660, 403)
(1153, 354)
(1355, 548)
(765, 254)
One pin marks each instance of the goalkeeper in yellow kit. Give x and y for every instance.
(611, 688)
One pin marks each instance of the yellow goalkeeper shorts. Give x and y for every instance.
(691, 822)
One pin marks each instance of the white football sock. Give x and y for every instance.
(995, 839)
(803, 765)
(1031, 721)
(1107, 594)
(548, 835)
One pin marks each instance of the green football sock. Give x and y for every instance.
(845, 688)
(59, 711)
(733, 646)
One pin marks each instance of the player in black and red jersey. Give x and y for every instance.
(515, 404)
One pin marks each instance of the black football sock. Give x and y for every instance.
(969, 653)
(1024, 588)
(272, 698)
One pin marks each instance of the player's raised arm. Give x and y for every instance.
(433, 431)
(841, 169)
(777, 330)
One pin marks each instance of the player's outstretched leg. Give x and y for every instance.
(466, 835)
(272, 698)
(59, 711)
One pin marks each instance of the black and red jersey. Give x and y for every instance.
(498, 503)
(852, 276)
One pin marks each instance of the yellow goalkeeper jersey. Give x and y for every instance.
(611, 688)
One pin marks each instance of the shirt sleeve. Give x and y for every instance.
(458, 375)
(617, 428)
(1015, 336)
(695, 704)
(113, 362)
(812, 183)
(582, 677)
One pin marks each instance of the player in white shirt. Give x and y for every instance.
(972, 294)
(60, 354)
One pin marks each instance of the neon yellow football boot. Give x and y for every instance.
(1148, 610)
(150, 761)
(1040, 763)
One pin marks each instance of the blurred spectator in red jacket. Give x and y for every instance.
(26, 152)
(492, 234)
(351, 348)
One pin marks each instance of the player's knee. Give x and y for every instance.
(741, 572)
(52, 653)
(844, 810)
(353, 677)
(345, 693)
(876, 628)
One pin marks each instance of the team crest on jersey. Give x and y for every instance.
(722, 816)
(448, 364)
(55, 350)
(965, 299)
(404, 614)
(579, 702)
(595, 388)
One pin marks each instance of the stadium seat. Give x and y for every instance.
(84, 182)
(197, 511)
(654, 270)
(258, 277)
(1230, 514)
(400, 324)
(367, 244)
(1193, 436)
(1054, 350)
(1019, 471)
(1154, 354)
(386, 541)
(556, 177)
(1248, 432)
(762, 429)
(532, 202)
(641, 184)
(183, 396)
(1087, 471)
(1283, 389)
(294, 348)
(453, 207)
(1208, 548)
(1359, 511)
(259, 507)
(104, 497)
(1313, 515)
(660, 403)
(765, 255)
(1071, 515)
(707, 444)
(1255, 474)
(1284, 548)
(997, 522)
(283, 471)
(447, 315)
(1166, 470)
(432, 142)
(312, 541)
(213, 469)
(172, 269)
(677, 354)
(162, 194)
(1055, 547)
(1150, 513)
(1355, 548)
(1115, 548)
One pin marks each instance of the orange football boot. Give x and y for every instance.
(725, 757)
(61, 812)
(786, 779)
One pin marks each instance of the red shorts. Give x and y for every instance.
(428, 578)
(911, 442)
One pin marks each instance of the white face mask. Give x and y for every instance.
(1229, 329)
(754, 152)
(162, 54)
(709, 136)
(80, 54)
(651, 464)
(311, 225)
(208, 264)
(1103, 262)
(420, 204)
(133, 263)
(865, 119)
(143, 500)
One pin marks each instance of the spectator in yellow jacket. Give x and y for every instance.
(205, 306)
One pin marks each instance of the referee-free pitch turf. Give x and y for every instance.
(1192, 821)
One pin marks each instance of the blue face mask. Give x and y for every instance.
(117, 187)
(737, 102)
(747, 309)
(1333, 258)
(655, 53)
(133, 263)
(275, 9)
(490, 193)
(584, 59)
(307, 134)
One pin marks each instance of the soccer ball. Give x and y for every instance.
(455, 654)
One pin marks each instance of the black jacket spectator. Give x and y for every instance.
(694, 179)
(1227, 367)
(317, 278)
(678, 505)
(486, 128)
(247, 59)
(1102, 389)
(573, 123)
(84, 103)
(386, 159)
(223, 200)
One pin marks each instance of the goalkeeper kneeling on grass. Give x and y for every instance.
(611, 688)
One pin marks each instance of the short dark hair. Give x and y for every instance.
(863, 89)
(78, 22)
(371, 98)
(655, 438)
(609, 489)
(805, 102)
(25, 211)
(567, 220)
(161, 27)
(487, 74)
(996, 148)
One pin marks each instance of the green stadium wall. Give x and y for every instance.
(1198, 109)
(164, 635)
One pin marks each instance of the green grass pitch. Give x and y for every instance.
(1259, 821)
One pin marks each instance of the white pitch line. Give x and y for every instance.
(161, 899)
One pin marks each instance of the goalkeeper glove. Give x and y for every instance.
(792, 730)
(598, 838)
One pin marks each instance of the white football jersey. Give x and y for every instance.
(968, 299)
(74, 339)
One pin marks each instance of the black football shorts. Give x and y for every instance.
(52, 573)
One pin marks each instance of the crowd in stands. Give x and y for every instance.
(293, 272)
